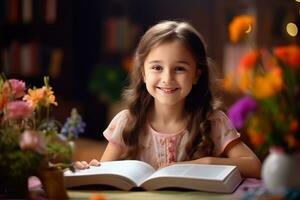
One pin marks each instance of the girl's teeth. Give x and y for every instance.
(168, 90)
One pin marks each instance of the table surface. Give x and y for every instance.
(247, 187)
(145, 195)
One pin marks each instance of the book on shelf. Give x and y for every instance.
(26, 11)
(12, 11)
(130, 174)
(50, 11)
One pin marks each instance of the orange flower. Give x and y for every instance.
(267, 85)
(248, 61)
(244, 70)
(240, 26)
(3, 100)
(244, 83)
(256, 138)
(241, 80)
(42, 96)
(289, 54)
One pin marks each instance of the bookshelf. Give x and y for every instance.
(25, 47)
(35, 40)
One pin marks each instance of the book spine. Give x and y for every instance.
(50, 11)
(12, 11)
(111, 32)
(56, 60)
(122, 35)
(27, 11)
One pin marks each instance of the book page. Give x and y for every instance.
(199, 171)
(135, 171)
(210, 178)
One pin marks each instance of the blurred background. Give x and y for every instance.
(86, 47)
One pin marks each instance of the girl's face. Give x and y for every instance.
(170, 72)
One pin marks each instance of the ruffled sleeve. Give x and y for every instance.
(223, 132)
(113, 133)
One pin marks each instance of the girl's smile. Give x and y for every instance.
(168, 90)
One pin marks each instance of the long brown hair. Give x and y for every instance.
(200, 102)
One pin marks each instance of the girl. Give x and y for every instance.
(172, 114)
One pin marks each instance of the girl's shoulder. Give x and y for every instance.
(218, 115)
(220, 119)
(113, 133)
(123, 115)
(223, 131)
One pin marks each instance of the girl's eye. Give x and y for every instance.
(156, 67)
(180, 69)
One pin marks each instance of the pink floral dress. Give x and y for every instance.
(160, 149)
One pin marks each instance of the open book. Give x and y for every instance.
(128, 174)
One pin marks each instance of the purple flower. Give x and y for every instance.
(240, 110)
(73, 126)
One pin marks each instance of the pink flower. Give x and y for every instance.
(32, 140)
(17, 87)
(18, 110)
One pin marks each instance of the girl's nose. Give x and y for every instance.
(168, 76)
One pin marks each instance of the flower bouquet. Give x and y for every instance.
(30, 139)
(268, 79)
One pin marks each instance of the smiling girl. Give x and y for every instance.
(172, 115)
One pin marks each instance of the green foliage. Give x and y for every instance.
(107, 82)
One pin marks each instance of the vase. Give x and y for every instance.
(53, 183)
(280, 172)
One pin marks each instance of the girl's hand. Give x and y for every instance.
(85, 165)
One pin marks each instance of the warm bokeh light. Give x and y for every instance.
(292, 29)
(249, 29)
(240, 26)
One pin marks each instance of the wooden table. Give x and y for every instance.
(249, 186)
(151, 195)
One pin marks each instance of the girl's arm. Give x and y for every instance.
(239, 154)
(112, 152)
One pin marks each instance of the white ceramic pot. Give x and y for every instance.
(281, 172)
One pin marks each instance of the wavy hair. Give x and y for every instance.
(200, 102)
